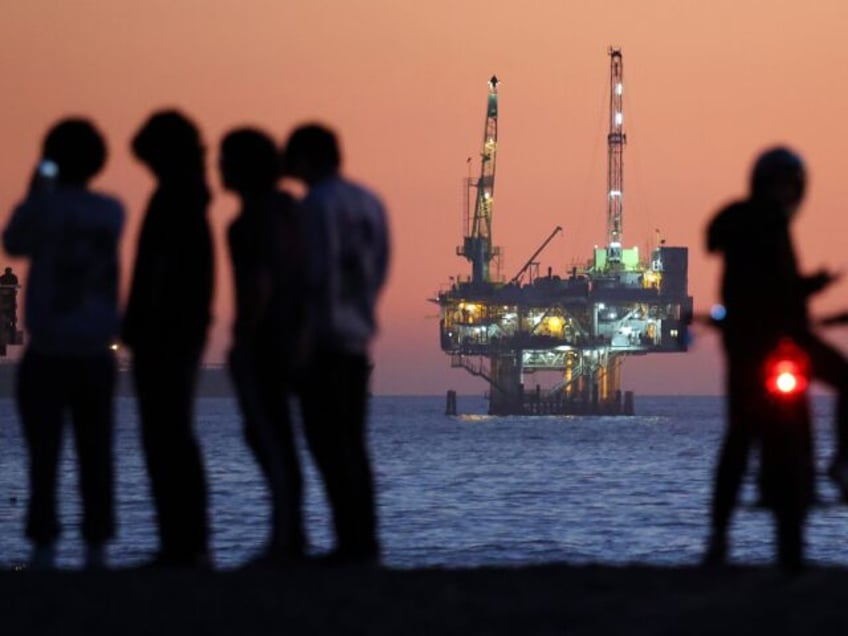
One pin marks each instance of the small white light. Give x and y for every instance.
(619, 118)
(618, 88)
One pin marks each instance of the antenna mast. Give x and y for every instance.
(615, 160)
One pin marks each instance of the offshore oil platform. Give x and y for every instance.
(582, 324)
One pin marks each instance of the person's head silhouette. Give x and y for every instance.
(312, 153)
(77, 149)
(169, 143)
(779, 176)
(249, 162)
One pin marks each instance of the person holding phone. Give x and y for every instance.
(70, 235)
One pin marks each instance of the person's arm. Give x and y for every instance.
(253, 289)
(317, 235)
(253, 282)
(383, 249)
(21, 234)
(815, 283)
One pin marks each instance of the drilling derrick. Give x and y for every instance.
(615, 159)
(579, 325)
(477, 244)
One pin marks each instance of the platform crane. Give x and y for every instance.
(477, 243)
(616, 139)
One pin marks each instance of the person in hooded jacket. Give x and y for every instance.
(765, 299)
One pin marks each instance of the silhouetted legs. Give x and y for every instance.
(742, 387)
(732, 461)
(782, 432)
(263, 397)
(334, 402)
(165, 385)
(47, 387)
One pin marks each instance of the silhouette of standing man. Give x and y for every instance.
(267, 251)
(165, 325)
(348, 251)
(8, 278)
(765, 299)
(70, 234)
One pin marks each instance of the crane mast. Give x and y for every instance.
(477, 244)
(615, 159)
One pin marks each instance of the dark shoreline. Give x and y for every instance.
(548, 599)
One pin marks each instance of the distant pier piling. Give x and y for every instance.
(629, 408)
(450, 403)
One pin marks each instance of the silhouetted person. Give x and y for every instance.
(347, 258)
(8, 278)
(267, 251)
(765, 298)
(165, 326)
(70, 234)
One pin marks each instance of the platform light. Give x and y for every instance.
(615, 193)
(619, 88)
(619, 118)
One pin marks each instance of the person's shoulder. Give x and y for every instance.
(107, 204)
(733, 209)
(107, 200)
(235, 228)
(361, 188)
(284, 201)
(364, 195)
(726, 223)
(187, 190)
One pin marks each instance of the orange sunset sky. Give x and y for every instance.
(707, 85)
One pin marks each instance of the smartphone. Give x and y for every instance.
(46, 173)
(48, 169)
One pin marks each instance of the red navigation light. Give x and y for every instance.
(787, 369)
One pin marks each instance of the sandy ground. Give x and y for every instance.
(551, 599)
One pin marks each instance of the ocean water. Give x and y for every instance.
(469, 490)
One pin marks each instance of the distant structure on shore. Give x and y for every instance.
(9, 332)
(581, 324)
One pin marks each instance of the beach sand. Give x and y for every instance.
(549, 599)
